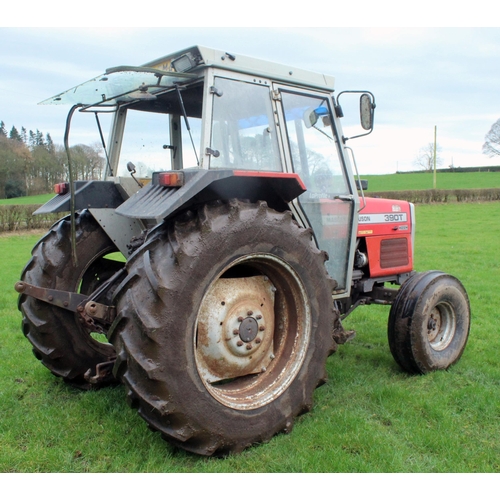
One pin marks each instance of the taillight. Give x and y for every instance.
(171, 179)
(61, 188)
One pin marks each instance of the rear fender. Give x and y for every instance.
(155, 201)
(88, 194)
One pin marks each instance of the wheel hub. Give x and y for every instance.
(441, 326)
(248, 329)
(235, 329)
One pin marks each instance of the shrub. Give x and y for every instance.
(14, 189)
(20, 217)
(441, 195)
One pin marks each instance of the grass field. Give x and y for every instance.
(37, 199)
(452, 180)
(369, 417)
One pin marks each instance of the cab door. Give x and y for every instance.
(313, 150)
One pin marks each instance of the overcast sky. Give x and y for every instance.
(421, 77)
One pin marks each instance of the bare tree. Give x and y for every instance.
(492, 145)
(425, 157)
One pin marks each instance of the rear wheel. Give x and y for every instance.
(68, 348)
(224, 327)
(429, 322)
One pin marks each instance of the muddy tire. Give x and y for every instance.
(59, 340)
(429, 322)
(224, 327)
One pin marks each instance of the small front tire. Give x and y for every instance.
(429, 322)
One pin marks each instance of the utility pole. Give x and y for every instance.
(435, 135)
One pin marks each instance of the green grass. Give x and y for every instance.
(369, 417)
(37, 199)
(401, 182)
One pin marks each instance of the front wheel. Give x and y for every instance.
(224, 326)
(429, 322)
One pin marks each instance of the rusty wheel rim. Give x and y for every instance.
(252, 344)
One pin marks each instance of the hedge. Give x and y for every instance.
(20, 217)
(441, 195)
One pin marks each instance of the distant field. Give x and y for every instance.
(28, 200)
(455, 180)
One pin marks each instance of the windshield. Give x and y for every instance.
(314, 150)
(314, 146)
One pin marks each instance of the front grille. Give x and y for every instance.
(394, 253)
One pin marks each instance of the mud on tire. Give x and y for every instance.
(59, 340)
(175, 312)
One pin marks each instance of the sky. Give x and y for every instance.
(423, 78)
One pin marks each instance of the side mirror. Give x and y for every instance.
(366, 111)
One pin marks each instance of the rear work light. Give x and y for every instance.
(61, 188)
(171, 179)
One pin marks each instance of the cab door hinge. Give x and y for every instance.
(216, 91)
(276, 95)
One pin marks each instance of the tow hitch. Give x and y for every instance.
(89, 310)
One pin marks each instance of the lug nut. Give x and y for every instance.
(258, 317)
(249, 313)
(249, 346)
(239, 343)
(236, 332)
(240, 319)
(257, 340)
(262, 328)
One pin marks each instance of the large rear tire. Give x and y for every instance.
(429, 322)
(60, 341)
(224, 327)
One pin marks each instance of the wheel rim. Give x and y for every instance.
(252, 332)
(441, 325)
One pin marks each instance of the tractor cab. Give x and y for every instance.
(202, 110)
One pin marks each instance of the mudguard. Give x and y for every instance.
(88, 194)
(200, 186)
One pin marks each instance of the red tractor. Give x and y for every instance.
(210, 270)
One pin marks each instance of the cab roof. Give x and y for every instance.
(126, 83)
(196, 57)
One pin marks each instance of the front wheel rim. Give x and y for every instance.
(276, 356)
(441, 326)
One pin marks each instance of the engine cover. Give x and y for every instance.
(387, 226)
